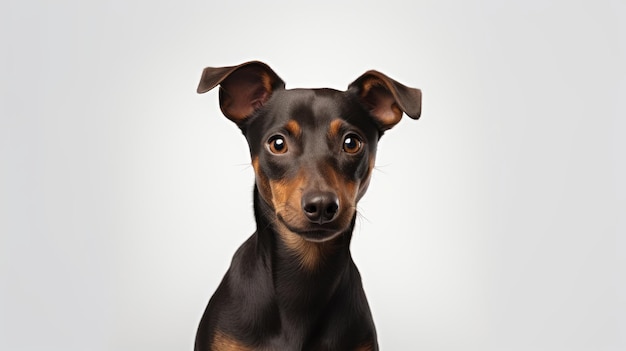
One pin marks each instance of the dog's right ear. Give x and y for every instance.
(243, 88)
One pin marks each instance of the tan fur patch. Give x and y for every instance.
(286, 193)
(223, 342)
(334, 128)
(293, 128)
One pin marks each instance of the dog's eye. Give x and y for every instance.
(352, 144)
(277, 144)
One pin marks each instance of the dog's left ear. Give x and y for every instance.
(386, 99)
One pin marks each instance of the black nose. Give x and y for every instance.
(320, 207)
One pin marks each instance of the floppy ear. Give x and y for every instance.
(243, 88)
(386, 99)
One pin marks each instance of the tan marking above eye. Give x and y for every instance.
(334, 128)
(293, 128)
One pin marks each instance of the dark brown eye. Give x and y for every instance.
(352, 144)
(277, 144)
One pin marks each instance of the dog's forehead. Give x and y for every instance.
(314, 107)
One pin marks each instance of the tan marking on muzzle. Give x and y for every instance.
(287, 201)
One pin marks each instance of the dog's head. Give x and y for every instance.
(312, 150)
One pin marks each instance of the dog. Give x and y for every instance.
(293, 284)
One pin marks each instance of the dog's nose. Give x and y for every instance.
(320, 207)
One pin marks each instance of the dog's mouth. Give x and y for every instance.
(313, 232)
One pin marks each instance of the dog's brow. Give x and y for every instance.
(293, 128)
(335, 127)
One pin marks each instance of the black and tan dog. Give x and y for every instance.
(293, 285)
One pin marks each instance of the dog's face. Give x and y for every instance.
(312, 150)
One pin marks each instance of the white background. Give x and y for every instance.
(495, 222)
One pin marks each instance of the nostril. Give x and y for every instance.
(310, 208)
(331, 208)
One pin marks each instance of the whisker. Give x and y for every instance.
(378, 168)
(362, 216)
